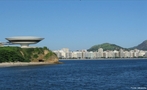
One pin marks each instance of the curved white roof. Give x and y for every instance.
(24, 38)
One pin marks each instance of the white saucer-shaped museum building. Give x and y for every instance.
(24, 41)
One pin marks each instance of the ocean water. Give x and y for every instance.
(77, 75)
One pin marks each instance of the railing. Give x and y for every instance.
(5, 43)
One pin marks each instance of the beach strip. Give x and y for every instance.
(10, 64)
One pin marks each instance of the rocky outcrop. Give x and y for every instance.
(142, 46)
(47, 56)
(42, 58)
(17, 54)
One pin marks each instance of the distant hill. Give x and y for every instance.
(142, 46)
(106, 46)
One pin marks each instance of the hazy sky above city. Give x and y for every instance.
(75, 24)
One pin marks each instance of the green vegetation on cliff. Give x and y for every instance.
(15, 54)
(105, 46)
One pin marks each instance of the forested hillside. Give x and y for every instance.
(105, 46)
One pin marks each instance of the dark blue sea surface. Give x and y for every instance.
(77, 75)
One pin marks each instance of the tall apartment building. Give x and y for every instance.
(100, 52)
(121, 53)
(66, 50)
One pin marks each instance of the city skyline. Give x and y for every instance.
(65, 53)
(77, 24)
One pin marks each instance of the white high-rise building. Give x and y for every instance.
(100, 52)
(105, 54)
(121, 53)
(116, 53)
(131, 53)
(136, 52)
(109, 55)
(66, 50)
(79, 55)
(141, 53)
(126, 54)
(74, 54)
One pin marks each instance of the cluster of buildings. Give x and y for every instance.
(65, 53)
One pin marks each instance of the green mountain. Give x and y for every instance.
(17, 54)
(106, 46)
(142, 46)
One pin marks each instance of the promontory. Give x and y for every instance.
(38, 55)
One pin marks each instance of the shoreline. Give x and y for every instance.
(11, 64)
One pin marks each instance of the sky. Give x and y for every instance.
(75, 24)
